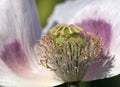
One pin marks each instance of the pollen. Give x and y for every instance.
(69, 50)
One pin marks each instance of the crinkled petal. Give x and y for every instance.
(100, 17)
(19, 32)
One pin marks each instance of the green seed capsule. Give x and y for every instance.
(63, 33)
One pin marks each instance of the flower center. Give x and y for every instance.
(69, 51)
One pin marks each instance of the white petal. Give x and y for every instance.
(110, 13)
(36, 78)
(108, 10)
(64, 13)
(19, 32)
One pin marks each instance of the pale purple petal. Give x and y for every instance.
(65, 12)
(105, 22)
(99, 27)
(13, 55)
(20, 30)
(98, 70)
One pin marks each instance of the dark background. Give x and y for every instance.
(45, 8)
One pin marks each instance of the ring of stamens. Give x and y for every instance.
(69, 51)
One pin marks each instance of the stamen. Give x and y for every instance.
(69, 51)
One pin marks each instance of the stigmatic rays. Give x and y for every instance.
(69, 51)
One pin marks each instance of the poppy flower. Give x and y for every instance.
(20, 66)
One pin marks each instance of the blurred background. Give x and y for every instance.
(45, 9)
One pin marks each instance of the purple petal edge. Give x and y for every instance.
(99, 26)
(15, 58)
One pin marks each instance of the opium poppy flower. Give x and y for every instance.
(82, 45)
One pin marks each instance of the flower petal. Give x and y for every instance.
(65, 12)
(100, 27)
(95, 14)
(104, 19)
(36, 78)
(19, 32)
